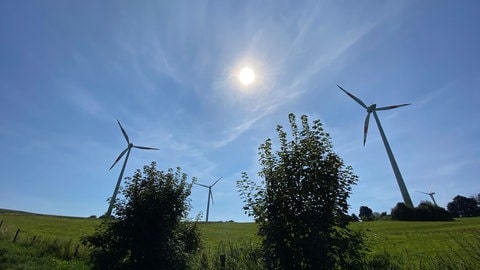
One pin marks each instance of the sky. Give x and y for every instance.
(168, 71)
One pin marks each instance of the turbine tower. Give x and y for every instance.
(431, 196)
(373, 109)
(127, 150)
(210, 195)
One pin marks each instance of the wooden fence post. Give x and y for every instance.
(76, 250)
(16, 234)
(1, 223)
(222, 262)
(33, 239)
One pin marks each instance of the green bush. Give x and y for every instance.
(424, 212)
(148, 232)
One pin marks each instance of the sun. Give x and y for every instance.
(246, 76)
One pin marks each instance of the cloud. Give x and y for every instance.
(83, 100)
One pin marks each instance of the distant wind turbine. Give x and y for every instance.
(210, 195)
(373, 109)
(431, 196)
(127, 150)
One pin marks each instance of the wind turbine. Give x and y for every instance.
(373, 109)
(431, 196)
(127, 150)
(210, 195)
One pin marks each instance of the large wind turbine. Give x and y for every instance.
(431, 196)
(373, 109)
(210, 195)
(127, 150)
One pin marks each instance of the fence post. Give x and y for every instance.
(33, 239)
(76, 250)
(1, 223)
(16, 234)
(222, 262)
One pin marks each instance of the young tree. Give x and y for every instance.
(148, 232)
(301, 203)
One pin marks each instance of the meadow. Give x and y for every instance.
(53, 242)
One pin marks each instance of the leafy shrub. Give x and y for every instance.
(301, 203)
(148, 232)
(425, 211)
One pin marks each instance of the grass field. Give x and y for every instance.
(419, 240)
(412, 240)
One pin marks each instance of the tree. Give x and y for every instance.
(148, 232)
(463, 207)
(425, 211)
(300, 204)
(354, 218)
(365, 213)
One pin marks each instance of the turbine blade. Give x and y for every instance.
(391, 107)
(145, 147)
(359, 101)
(119, 157)
(365, 128)
(211, 196)
(216, 181)
(124, 133)
(201, 185)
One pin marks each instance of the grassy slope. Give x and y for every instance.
(415, 240)
(47, 226)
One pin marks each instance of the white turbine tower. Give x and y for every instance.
(127, 150)
(431, 196)
(210, 195)
(373, 109)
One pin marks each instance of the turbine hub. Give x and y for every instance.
(371, 108)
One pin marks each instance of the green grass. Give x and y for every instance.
(48, 226)
(216, 233)
(416, 241)
(44, 242)
(419, 240)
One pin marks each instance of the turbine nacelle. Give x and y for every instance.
(371, 108)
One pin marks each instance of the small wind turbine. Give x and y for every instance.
(127, 150)
(373, 109)
(431, 196)
(210, 195)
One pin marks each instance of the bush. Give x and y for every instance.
(425, 211)
(148, 232)
(301, 204)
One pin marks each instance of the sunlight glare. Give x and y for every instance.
(246, 76)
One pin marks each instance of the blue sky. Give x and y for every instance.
(167, 70)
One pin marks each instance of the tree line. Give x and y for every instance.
(460, 206)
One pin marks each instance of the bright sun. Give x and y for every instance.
(246, 76)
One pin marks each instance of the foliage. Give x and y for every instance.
(239, 256)
(365, 213)
(354, 218)
(148, 232)
(301, 203)
(425, 211)
(462, 206)
(25, 254)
